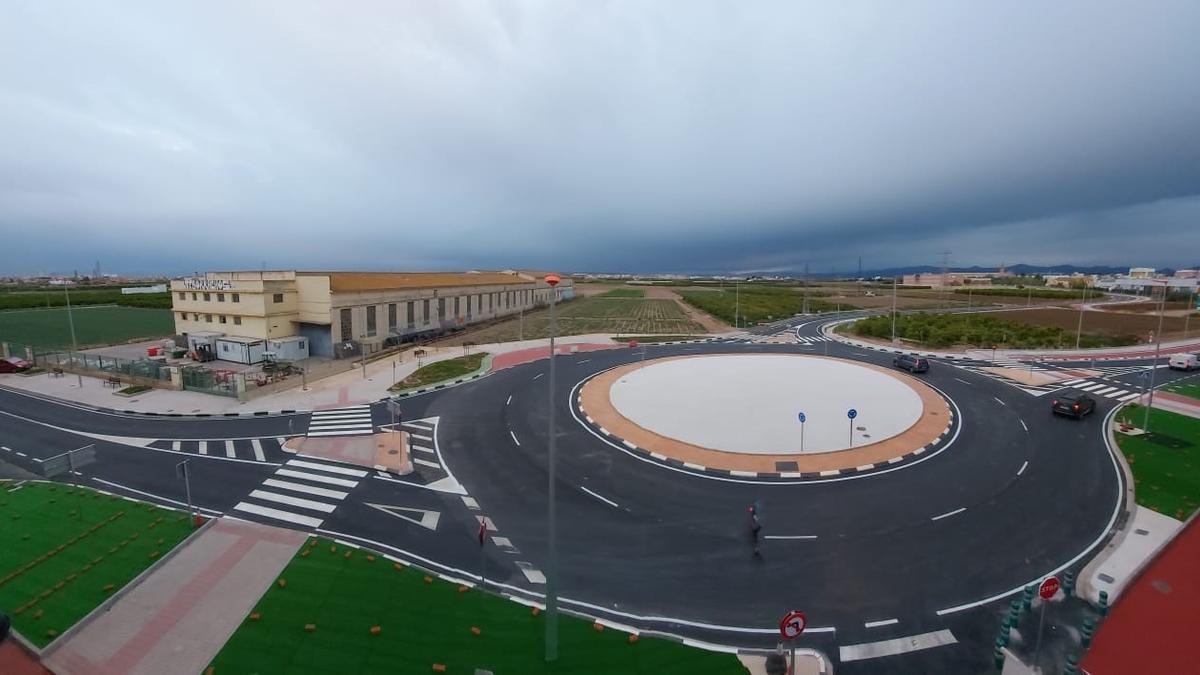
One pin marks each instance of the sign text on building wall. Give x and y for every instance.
(199, 284)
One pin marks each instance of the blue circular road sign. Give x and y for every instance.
(802, 418)
(852, 413)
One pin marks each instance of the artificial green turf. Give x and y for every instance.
(423, 624)
(1190, 389)
(36, 518)
(93, 325)
(1165, 462)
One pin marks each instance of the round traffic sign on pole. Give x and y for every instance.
(792, 625)
(852, 413)
(1048, 588)
(802, 418)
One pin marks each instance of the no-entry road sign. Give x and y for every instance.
(1048, 588)
(792, 625)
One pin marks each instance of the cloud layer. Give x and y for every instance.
(619, 136)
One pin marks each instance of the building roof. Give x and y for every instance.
(381, 281)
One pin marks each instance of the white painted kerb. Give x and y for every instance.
(748, 403)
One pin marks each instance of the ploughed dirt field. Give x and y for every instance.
(1110, 323)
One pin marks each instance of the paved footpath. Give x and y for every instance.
(179, 617)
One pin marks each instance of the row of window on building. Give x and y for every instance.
(473, 305)
(235, 297)
(208, 318)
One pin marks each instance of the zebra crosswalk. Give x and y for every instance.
(812, 339)
(248, 449)
(352, 420)
(303, 491)
(1105, 389)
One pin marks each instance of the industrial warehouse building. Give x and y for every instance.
(237, 316)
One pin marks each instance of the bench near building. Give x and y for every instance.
(238, 316)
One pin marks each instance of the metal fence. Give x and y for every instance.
(210, 380)
(104, 365)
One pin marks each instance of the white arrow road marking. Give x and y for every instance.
(426, 519)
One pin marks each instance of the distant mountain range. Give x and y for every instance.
(1019, 269)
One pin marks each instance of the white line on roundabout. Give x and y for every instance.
(790, 536)
(747, 481)
(1023, 426)
(883, 622)
(997, 399)
(962, 380)
(606, 501)
(1107, 530)
(1022, 469)
(509, 401)
(514, 437)
(950, 513)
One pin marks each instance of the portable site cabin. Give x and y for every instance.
(288, 348)
(240, 350)
(203, 345)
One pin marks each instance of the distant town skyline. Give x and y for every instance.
(622, 136)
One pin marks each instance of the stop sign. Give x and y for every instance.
(1048, 588)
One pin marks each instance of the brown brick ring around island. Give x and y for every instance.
(924, 435)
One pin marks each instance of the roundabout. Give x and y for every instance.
(740, 413)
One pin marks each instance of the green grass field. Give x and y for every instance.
(421, 624)
(623, 293)
(1166, 462)
(65, 549)
(974, 330)
(755, 303)
(94, 326)
(441, 370)
(82, 295)
(1190, 388)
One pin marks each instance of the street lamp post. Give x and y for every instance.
(74, 343)
(893, 309)
(737, 298)
(551, 515)
(1079, 327)
(1154, 364)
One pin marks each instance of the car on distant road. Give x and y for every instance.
(1073, 405)
(1183, 362)
(911, 363)
(12, 364)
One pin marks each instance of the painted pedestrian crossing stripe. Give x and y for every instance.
(302, 492)
(1101, 388)
(348, 421)
(243, 449)
(812, 339)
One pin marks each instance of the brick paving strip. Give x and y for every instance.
(926, 430)
(179, 617)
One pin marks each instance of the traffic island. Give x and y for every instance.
(370, 613)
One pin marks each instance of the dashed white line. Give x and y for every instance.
(258, 450)
(962, 380)
(997, 400)
(790, 536)
(538, 375)
(950, 513)
(603, 499)
(882, 622)
(424, 462)
(585, 360)
(1023, 425)
(509, 401)
(514, 437)
(1022, 469)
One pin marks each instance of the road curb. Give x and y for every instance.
(483, 370)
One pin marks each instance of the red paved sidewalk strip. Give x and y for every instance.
(178, 618)
(510, 359)
(1152, 627)
(14, 660)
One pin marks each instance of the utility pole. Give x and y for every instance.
(805, 310)
(945, 279)
(737, 297)
(1079, 326)
(74, 342)
(893, 309)
(1154, 364)
(551, 515)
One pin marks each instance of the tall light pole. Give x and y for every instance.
(551, 515)
(74, 343)
(1154, 364)
(893, 309)
(737, 298)
(1079, 328)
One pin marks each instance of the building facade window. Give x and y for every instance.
(193, 297)
(220, 297)
(237, 297)
(223, 319)
(392, 317)
(208, 297)
(491, 305)
(208, 318)
(347, 325)
(278, 297)
(183, 316)
(412, 322)
(457, 311)
(441, 309)
(182, 295)
(425, 311)
(371, 321)
(237, 320)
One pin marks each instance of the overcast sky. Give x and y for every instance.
(623, 136)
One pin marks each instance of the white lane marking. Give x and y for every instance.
(1129, 397)
(584, 360)
(229, 449)
(21, 454)
(421, 448)
(509, 400)
(1022, 469)
(503, 542)
(882, 622)
(538, 375)
(175, 445)
(999, 401)
(293, 501)
(912, 643)
(258, 451)
(425, 462)
(950, 513)
(345, 471)
(1118, 393)
(514, 437)
(6, 448)
(1023, 426)
(316, 478)
(962, 380)
(790, 536)
(1070, 383)
(534, 575)
(285, 516)
(309, 489)
(470, 502)
(1104, 391)
(202, 448)
(420, 437)
(606, 501)
(1090, 387)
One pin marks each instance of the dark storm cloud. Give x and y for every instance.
(620, 136)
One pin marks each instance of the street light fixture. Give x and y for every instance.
(74, 342)
(551, 516)
(1154, 364)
